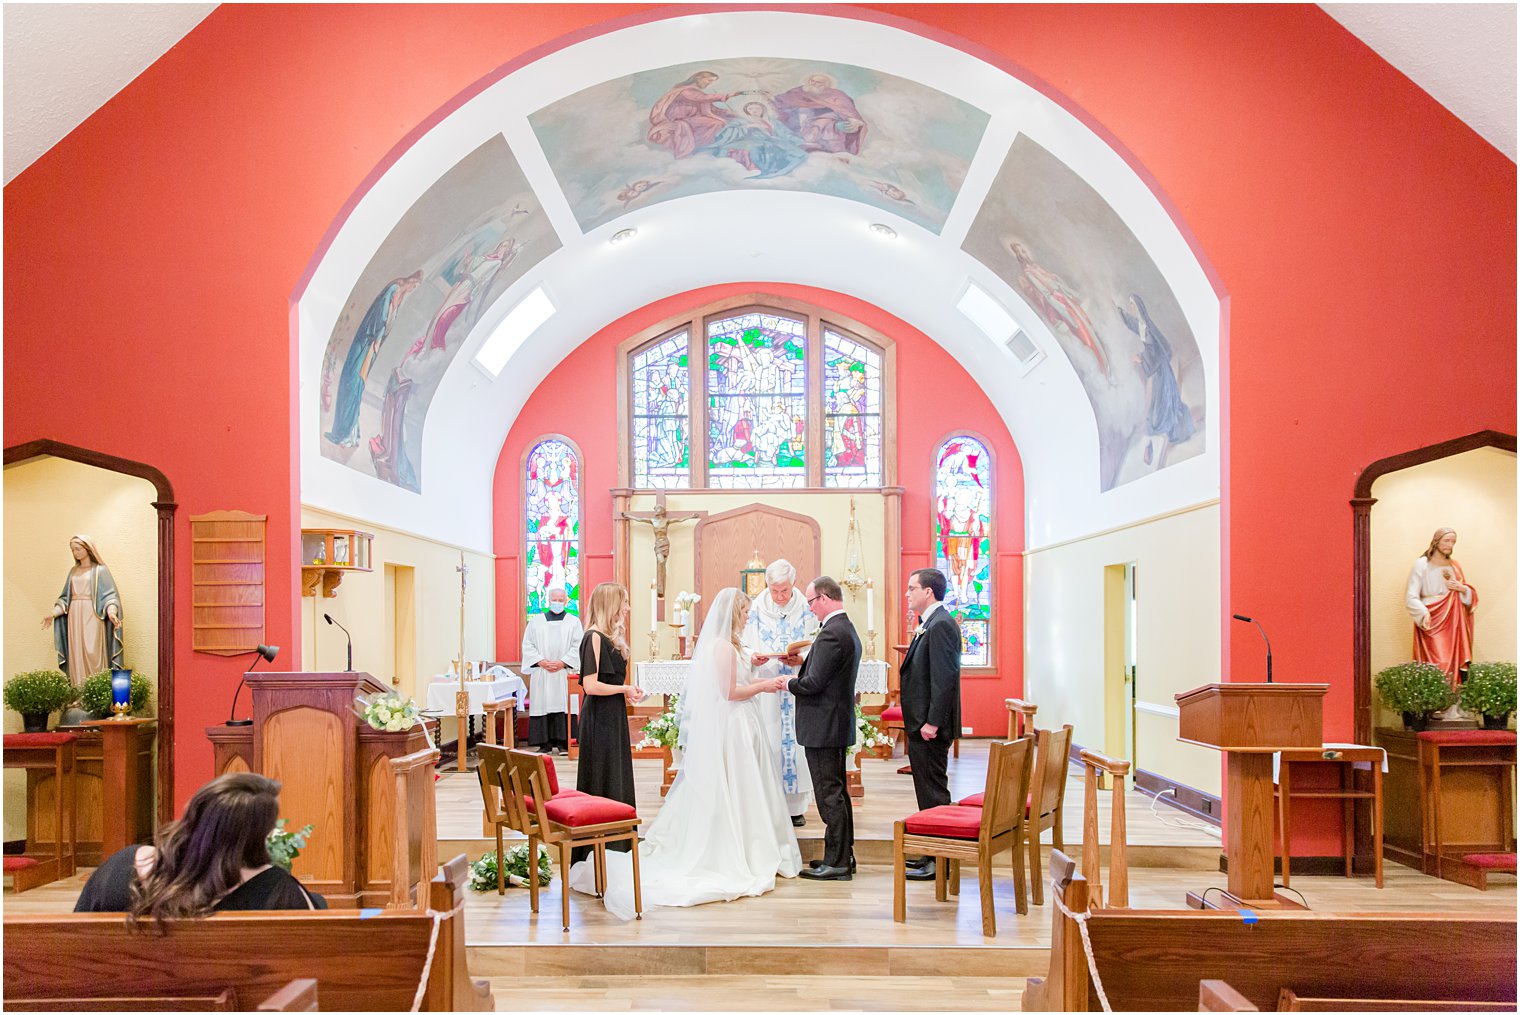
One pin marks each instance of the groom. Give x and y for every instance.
(825, 691)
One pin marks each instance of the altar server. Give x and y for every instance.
(550, 657)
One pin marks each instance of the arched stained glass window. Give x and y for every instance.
(552, 522)
(963, 540)
(661, 430)
(756, 401)
(852, 411)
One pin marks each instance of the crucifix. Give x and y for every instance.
(462, 696)
(659, 521)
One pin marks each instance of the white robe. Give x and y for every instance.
(771, 628)
(548, 693)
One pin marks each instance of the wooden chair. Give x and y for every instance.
(955, 832)
(52, 753)
(494, 710)
(1047, 801)
(1020, 717)
(1097, 766)
(567, 819)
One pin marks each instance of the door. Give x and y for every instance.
(1120, 672)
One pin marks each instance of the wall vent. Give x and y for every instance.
(1024, 350)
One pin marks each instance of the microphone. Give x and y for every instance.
(266, 653)
(328, 617)
(1264, 638)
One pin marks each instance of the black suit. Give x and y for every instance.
(931, 694)
(825, 690)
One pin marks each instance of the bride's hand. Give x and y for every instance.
(779, 684)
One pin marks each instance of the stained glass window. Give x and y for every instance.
(661, 405)
(756, 401)
(963, 541)
(852, 412)
(552, 517)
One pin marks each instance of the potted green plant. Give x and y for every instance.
(1415, 689)
(1490, 690)
(36, 694)
(95, 694)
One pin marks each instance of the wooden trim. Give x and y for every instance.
(744, 509)
(1203, 806)
(164, 504)
(993, 570)
(522, 540)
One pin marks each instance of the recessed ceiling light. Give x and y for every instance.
(623, 234)
(515, 329)
(883, 230)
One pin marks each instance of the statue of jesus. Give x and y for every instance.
(659, 522)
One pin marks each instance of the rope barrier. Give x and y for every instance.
(1092, 963)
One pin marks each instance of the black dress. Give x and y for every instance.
(109, 889)
(605, 767)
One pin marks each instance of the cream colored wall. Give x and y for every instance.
(48, 500)
(1473, 493)
(832, 511)
(361, 606)
(1177, 634)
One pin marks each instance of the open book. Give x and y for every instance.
(795, 648)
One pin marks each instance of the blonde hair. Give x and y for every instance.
(604, 614)
(1435, 541)
(736, 623)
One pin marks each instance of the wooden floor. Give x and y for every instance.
(757, 993)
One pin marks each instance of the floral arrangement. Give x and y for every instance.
(483, 871)
(38, 692)
(664, 729)
(869, 736)
(1489, 689)
(285, 846)
(390, 712)
(1414, 687)
(95, 693)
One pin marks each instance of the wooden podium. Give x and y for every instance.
(335, 772)
(1249, 723)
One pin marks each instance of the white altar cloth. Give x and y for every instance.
(440, 693)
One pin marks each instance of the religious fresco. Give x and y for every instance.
(452, 254)
(760, 123)
(963, 541)
(756, 401)
(1053, 238)
(552, 514)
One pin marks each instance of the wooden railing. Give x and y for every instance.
(1096, 766)
(1020, 717)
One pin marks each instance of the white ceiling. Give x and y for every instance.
(64, 61)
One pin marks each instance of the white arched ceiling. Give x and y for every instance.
(756, 237)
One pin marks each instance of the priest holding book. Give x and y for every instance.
(778, 619)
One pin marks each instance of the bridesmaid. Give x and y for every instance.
(606, 754)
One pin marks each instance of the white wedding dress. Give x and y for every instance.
(724, 831)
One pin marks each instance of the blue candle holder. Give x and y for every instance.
(121, 693)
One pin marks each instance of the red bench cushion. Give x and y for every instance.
(18, 740)
(1500, 862)
(893, 714)
(578, 811)
(18, 863)
(1479, 737)
(563, 795)
(950, 821)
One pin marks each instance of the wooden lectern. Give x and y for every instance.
(1249, 723)
(335, 772)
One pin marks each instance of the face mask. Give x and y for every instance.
(556, 607)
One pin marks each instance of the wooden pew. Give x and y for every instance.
(1153, 960)
(1289, 1001)
(297, 995)
(361, 960)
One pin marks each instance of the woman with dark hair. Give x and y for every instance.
(215, 858)
(1168, 420)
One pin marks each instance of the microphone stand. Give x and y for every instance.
(328, 617)
(1264, 638)
(261, 650)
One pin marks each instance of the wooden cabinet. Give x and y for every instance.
(328, 554)
(227, 582)
(92, 800)
(1447, 794)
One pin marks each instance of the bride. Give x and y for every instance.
(724, 831)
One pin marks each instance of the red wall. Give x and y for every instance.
(1363, 235)
(587, 380)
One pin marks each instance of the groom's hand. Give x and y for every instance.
(928, 732)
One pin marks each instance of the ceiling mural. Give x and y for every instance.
(1049, 235)
(760, 124)
(451, 255)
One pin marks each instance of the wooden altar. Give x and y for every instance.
(337, 773)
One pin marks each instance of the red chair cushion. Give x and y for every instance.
(553, 776)
(975, 800)
(893, 714)
(17, 740)
(1491, 861)
(1480, 737)
(564, 795)
(949, 822)
(19, 863)
(581, 810)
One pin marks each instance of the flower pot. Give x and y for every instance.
(34, 722)
(1496, 722)
(1417, 721)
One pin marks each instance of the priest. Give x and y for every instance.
(551, 650)
(777, 617)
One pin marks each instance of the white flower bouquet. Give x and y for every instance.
(390, 712)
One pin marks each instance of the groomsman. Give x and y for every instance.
(931, 697)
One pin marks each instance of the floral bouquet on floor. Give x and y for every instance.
(389, 712)
(868, 736)
(664, 729)
(483, 871)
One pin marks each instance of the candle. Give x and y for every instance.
(121, 692)
(654, 607)
(870, 606)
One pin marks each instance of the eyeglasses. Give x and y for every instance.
(815, 599)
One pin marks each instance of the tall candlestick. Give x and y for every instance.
(654, 607)
(870, 605)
